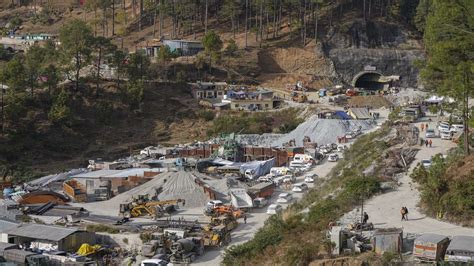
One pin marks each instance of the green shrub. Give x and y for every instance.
(102, 228)
(207, 115)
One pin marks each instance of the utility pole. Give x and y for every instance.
(2, 88)
(205, 22)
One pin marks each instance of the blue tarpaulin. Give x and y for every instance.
(342, 115)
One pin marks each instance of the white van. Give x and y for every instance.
(278, 171)
(300, 165)
(303, 158)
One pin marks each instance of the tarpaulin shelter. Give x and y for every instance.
(260, 168)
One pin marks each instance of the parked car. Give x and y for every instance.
(285, 198)
(333, 157)
(341, 148)
(457, 128)
(443, 128)
(310, 178)
(430, 133)
(289, 179)
(153, 262)
(266, 178)
(274, 209)
(445, 135)
(214, 203)
(426, 163)
(300, 187)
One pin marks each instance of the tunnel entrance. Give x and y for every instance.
(369, 80)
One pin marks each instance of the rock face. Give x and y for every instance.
(348, 62)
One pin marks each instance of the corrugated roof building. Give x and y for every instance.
(50, 237)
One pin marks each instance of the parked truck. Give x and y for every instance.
(430, 247)
(185, 251)
(262, 190)
(240, 198)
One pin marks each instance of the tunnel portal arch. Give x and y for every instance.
(370, 80)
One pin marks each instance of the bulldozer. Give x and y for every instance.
(143, 207)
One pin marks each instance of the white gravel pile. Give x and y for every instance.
(258, 140)
(323, 131)
(181, 185)
(175, 185)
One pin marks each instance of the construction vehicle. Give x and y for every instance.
(216, 236)
(185, 250)
(228, 221)
(299, 97)
(223, 210)
(143, 207)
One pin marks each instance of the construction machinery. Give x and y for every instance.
(299, 97)
(143, 207)
(223, 210)
(216, 236)
(228, 221)
(185, 250)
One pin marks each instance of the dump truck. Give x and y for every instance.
(240, 199)
(430, 247)
(262, 190)
(228, 221)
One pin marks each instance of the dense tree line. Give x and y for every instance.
(42, 76)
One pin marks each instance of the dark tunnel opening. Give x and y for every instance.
(369, 81)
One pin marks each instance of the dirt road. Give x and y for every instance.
(384, 210)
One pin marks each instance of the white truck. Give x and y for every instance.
(240, 198)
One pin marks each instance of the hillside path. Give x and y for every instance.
(384, 210)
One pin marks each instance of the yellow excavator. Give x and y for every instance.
(154, 209)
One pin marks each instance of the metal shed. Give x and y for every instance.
(461, 249)
(51, 237)
(388, 240)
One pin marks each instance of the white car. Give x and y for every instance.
(274, 209)
(445, 135)
(289, 179)
(430, 133)
(266, 178)
(426, 163)
(301, 187)
(310, 178)
(443, 128)
(341, 148)
(284, 198)
(153, 262)
(333, 157)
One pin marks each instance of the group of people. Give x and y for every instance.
(424, 126)
(426, 142)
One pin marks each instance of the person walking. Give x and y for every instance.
(422, 141)
(406, 213)
(426, 126)
(426, 143)
(431, 143)
(245, 218)
(422, 126)
(402, 212)
(366, 218)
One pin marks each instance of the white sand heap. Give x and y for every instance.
(323, 131)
